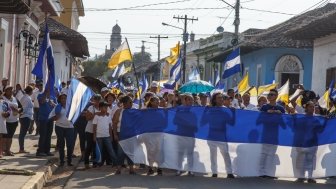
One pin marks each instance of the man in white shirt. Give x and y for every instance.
(246, 105)
(234, 101)
(37, 91)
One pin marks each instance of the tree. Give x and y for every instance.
(94, 68)
(138, 59)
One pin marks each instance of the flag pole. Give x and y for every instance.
(136, 77)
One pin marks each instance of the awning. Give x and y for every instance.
(75, 41)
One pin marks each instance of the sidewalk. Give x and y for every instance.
(42, 166)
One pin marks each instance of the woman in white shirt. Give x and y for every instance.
(26, 116)
(4, 113)
(12, 121)
(64, 130)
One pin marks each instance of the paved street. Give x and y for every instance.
(104, 178)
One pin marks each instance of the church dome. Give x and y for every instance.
(116, 29)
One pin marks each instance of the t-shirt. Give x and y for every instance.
(3, 108)
(267, 107)
(235, 103)
(89, 125)
(104, 123)
(12, 103)
(62, 121)
(34, 98)
(27, 107)
(249, 107)
(45, 108)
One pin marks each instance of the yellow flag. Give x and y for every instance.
(284, 93)
(324, 101)
(243, 85)
(175, 52)
(122, 54)
(266, 88)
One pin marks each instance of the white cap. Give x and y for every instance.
(104, 89)
(5, 78)
(154, 84)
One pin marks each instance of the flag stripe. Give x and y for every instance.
(122, 54)
(232, 64)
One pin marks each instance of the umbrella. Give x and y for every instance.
(95, 84)
(196, 86)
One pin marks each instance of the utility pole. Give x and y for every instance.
(185, 39)
(159, 39)
(237, 20)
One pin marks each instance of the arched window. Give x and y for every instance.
(289, 67)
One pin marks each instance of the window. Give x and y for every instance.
(259, 72)
(331, 75)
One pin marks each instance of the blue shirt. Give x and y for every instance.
(45, 108)
(267, 107)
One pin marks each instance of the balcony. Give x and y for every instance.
(14, 6)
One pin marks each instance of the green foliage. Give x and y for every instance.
(137, 58)
(94, 68)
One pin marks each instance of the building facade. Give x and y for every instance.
(322, 31)
(19, 31)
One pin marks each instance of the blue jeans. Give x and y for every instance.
(105, 142)
(46, 129)
(65, 135)
(25, 124)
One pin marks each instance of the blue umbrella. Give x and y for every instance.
(196, 86)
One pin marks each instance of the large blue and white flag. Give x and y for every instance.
(217, 79)
(175, 75)
(45, 68)
(224, 140)
(194, 75)
(78, 97)
(232, 64)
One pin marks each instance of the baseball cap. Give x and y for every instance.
(105, 89)
(154, 84)
(7, 87)
(4, 79)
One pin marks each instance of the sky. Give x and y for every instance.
(146, 20)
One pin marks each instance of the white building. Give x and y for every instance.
(322, 30)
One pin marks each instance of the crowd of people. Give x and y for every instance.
(99, 124)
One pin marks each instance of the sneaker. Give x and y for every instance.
(70, 164)
(214, 175)
(301, 180)
(61, 164)
(311, 181)
(150, 171)
(178, 173)
(87, 166)
(118, 172)
(159, 172)
(190, 174)
(41, 154)
(230, 176)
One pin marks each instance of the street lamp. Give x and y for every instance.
(185, 39)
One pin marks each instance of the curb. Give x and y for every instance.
(41, 177)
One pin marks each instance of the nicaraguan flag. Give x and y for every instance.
(78, 97)
(217, 79)
(45, 68)
(175, 75)
(232, 64)
(194, 75)
(230, 141)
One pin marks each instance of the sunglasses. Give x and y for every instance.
(271, 94)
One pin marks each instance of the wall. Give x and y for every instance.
(61, 59)
(324, 58)
(268, 58)
(3, 46)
